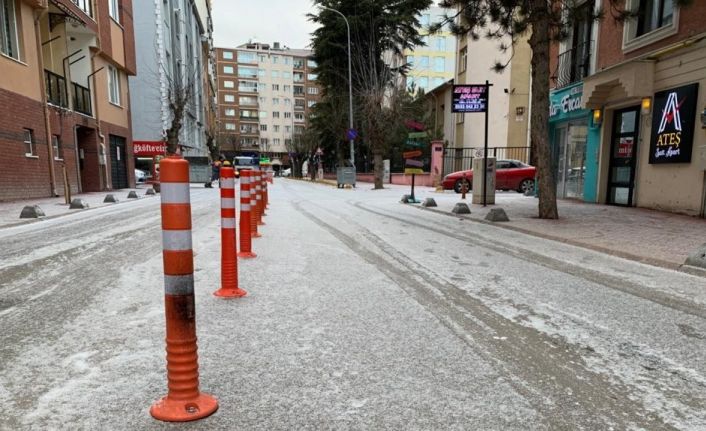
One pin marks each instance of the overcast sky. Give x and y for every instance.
(237, 21)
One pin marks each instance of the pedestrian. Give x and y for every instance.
(215, 173)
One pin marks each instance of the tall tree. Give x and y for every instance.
(547, 20)
(380, 30)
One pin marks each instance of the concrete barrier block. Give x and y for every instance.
(461, 208)
(110, 199)
(429, 202)
(132, 195)
(497, 214)
(32, 211)
(697, 258)
(78, 204)
(150, 192)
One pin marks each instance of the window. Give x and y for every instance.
(246, 57)
(113, 85)
(423, 82)
(653, 14)
(230, 98)
(263, 99)
(230, 112)
(275, 59)
(29, 143)
(287, 102)
(311, 64)
(261, 86)
(310, 103)
(263, 114)
(287, 129)
(298, 90)
(84, 5)
(247, 114)
(275, 128)
(441, 43)
(287, 142)
(276, 141)
(261, 72)
(287, 75)
(439, 64)
(275, 73)
(263, 127)
(227, 55)
(247, 86)
(287, 60)
(275, 87)
(247, 100)
(425, 20)
(262, 58)
(410, 82)
(298, 77)
(263, 141)
(312, 76)
(298, 63)
(410, 60)
(230, 126)
(287, 88)
(287, 115)
(56, 145)
(298, 116)
(228, 70)
(113, 10)
(312, 90)
(425, 40)
(247, 72)
(275, 114)
(424, 62)
(438, 81)
(462, 59)
(228, 84)
(9, 42)
(275, 100)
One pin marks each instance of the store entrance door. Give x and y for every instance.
(623, 152)
(570, 142)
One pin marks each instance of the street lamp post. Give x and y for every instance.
(350, 82)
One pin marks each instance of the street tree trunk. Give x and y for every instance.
(539, 43)
(378, 168)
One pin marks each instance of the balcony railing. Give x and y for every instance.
(82, 99)
(574, 64)
(56, 89)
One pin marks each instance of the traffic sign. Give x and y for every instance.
(413, 171)
(411, 154)
(351, 134)
(415, 163)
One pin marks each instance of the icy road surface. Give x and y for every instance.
(362, 313)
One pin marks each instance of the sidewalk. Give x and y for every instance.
(55, 207)
(657, 238)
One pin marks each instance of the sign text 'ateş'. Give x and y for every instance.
(673, 122)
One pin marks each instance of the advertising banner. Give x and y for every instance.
(673, 123)
(469, 98)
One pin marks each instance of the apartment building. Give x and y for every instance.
(629, 108)
(265, 93)
(432, 64)
(174, 44)
(64, 88)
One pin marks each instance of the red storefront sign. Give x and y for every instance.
(149, 148)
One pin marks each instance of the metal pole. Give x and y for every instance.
(350, 81)
(485, 148)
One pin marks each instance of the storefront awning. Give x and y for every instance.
(276, 162)
(632, 80)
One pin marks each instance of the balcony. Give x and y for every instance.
(82, 99)
(56, 89)
(573, 65)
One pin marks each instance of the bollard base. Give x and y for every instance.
(171, 410)
(247, 255)
(230, 293)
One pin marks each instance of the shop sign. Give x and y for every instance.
(673, 122)
(566, 103)
(149, 148)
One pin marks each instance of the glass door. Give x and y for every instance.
(570, 147)
(621, 178)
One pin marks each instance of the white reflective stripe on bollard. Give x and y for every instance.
(179, 284)
(175, 193)
(227, 183)
(176, 240)
(227, 223)
(228, 203)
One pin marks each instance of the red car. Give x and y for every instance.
(510, 175)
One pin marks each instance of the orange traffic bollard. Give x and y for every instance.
(229, 263)
(258, 197)
(245, 217)
(263, 181)
(183, 401)
(253, 205)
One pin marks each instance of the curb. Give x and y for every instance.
(691, 270)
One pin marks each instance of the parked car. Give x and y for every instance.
(140, 176)
(510, 175)
(286, 172)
